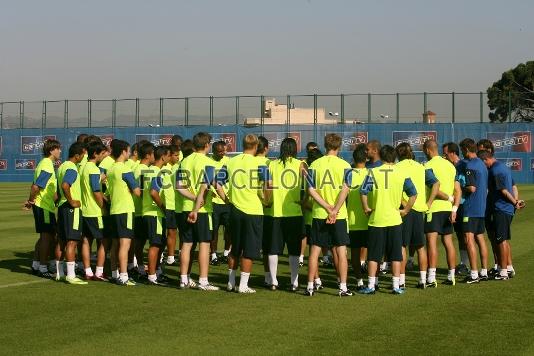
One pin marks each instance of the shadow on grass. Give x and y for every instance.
(20, 264)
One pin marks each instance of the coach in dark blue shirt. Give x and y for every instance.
(501, 207)
(476, 186)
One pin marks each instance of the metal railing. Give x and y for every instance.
(247, 110)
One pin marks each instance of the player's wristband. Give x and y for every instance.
(454, 209)
(451, 199)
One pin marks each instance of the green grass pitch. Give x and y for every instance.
(47, 317)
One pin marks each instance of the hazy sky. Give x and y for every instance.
(123, 49)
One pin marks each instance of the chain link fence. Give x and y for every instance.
(249, 110)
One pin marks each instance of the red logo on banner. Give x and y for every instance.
(515, 164)
(3, 164)
(156, 139)
(416, 139)
(519, 141)
(228, 138)
(349, 140)
(26, 164)
(106, 139)
(275, 139)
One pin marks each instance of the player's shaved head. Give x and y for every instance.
(430, 146)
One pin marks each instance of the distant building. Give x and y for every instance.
(429, 117)
(276, 114)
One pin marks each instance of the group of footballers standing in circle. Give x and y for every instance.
(385, 206)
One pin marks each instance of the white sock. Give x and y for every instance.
(474, 274)
(301, 259)
(226, 253)
(152, 277)
(170, 259)
(35, 264)
(431, 275)
(396, 283)
(60, 268)
(213, 256)
(115, 274)
(496, 266)
(123, 277)
(343, 286)
(422, 276)
(243, 281)
(450, 275)
(504, 273)
(372, 281)
(484, 272)
(99, 271)
(273, 268)
(510, 268)
(141, 269)
(464, 257)
(360, 282)
(203, 281)
(134, 262)
(402, 279)
(184, 279)
(317, 281)
(310, 285)
(362, 263)
(70, 269)
(268, 279)
(294, 267)
(231, 277)
(383, 266)
(88, 272)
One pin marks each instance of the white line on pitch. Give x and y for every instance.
(23, 283)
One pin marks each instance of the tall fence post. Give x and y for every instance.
(66, 114)
(237, 110)
(425, 106)
(21, 114)
(89, 109)
(262, 111)
(342, 108)
(369, 107)
(481, 107)
(288, 121)
(161, 112)
(315, 117)
(453, 107)
(43, 115)
(211, 110)
(510, 106)
(137, 112)
(114, 113)
(186, 111)
(397, 110)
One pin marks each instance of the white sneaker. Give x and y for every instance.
(190, 284)
(208, 287)
(247, 290)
